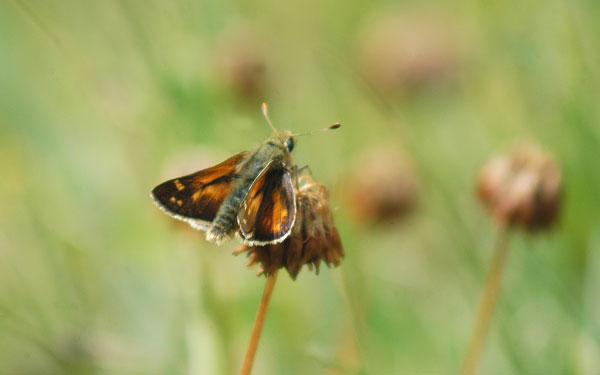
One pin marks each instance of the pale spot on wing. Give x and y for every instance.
(196, 195)
(178, 185)
(172, 199)
(179, 202)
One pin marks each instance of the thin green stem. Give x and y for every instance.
(486, 304)
(258, 323)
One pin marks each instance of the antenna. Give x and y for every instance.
(330, 127)
(265, 112)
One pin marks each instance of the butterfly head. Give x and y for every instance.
(285, 139)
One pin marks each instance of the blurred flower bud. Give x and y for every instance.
(408, 50)
(314, 237)
(381, 188)
(522, 187)
(242, 65)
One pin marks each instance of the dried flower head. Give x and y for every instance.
(522, 187)
(382, 189)
(314, 237)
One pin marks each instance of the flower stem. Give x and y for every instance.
(258, 323)
(486, 304)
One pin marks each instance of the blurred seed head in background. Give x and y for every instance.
(409, 50)
(241, 63)
(522, 187)
(382, 188)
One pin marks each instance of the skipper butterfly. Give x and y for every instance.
(251, 193)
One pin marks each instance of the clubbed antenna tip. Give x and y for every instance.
(265, 111)
(264, 108)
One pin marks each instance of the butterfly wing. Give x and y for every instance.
(268, 212)
(196, 198)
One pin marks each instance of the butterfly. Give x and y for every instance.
(251, 194)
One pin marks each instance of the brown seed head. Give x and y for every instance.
(382, 188)
(242, 65)
(408, 50)
(522, 187)
(314, 237)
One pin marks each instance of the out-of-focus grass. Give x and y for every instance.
(96, 97)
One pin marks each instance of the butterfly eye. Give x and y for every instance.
(289, 144)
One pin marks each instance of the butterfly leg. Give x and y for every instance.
(299, 170)
(305, 168)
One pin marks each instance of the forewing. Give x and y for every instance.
(268, 212)
(196, 198)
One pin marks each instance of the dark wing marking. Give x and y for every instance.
(268, 212)
(196, 198)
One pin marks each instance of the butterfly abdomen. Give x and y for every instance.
(225, 221)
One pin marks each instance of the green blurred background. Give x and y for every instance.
(102, 100)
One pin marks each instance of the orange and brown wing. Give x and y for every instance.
(268, 212)
(196, 198)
